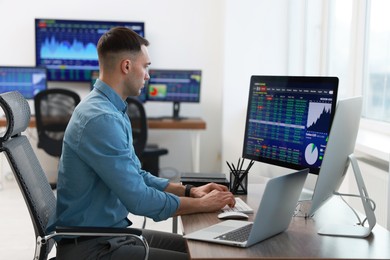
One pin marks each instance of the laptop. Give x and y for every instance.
(274, 215)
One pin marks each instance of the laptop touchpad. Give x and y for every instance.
(218, 229)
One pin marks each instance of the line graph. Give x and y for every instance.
(318, 118)
(54, 49)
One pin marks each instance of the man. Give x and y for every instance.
(100, 178)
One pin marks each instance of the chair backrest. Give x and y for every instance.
(139, 124)
(27, 170)
(53, 109)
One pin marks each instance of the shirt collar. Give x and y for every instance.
(114, 98)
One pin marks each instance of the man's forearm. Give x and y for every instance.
(176, 188)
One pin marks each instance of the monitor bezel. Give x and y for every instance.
(320, 79)
(29, 67)
(37, 55)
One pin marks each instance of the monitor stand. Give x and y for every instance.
(368, 204)
(176, 110)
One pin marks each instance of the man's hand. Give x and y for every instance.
(198, 192)
(212, 200)
(215, 200)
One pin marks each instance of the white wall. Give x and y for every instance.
(184, 34)
(256, 43)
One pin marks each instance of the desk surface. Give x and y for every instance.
(299, 241)
(188, 123)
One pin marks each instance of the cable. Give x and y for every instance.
(372, 205)
(372, 202)
(298, 212)
(353, 210)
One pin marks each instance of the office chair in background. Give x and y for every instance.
(53, 109)
(33, 183)
(148, 154)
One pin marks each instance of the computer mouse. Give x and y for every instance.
(233, 215)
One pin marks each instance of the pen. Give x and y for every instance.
(244, 174)
(242, 163)
(238, 174)
(235, 184)
(229, 166)
(235, 176)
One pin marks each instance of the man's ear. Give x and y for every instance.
(126, 66)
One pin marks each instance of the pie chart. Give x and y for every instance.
(153, 92)
(311, 154)
(157, 90)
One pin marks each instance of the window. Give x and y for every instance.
(340, 43)
(359, 53)
(377, 85)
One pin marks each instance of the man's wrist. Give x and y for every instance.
(187, 191)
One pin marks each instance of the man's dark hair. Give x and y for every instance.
(120, 39)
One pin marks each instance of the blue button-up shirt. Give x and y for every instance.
(100, 178)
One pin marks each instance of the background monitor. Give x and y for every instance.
(27, 80)
(289, 119)
(67, 48)
(174, 86)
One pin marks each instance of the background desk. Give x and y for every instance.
(192, 124)
(299, 241)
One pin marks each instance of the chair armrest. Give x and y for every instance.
(90, 231)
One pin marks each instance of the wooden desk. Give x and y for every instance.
(299, 241)
(188, 123)
(3, 122)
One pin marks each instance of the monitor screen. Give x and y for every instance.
(27, 80)
(289, 119)
(67, 48)
(174, 85)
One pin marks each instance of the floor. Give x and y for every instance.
(17, 240)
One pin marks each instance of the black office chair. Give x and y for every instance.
(53, 109)
(148, 154)
(32, 181)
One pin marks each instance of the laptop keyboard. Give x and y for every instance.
(240, 206)
(237, 235)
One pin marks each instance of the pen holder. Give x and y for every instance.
(238, 183)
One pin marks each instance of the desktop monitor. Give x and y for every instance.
(341, 144)
(27, 80)
(174, 86)
(337, 158)
(289, 119)
(67, 48)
